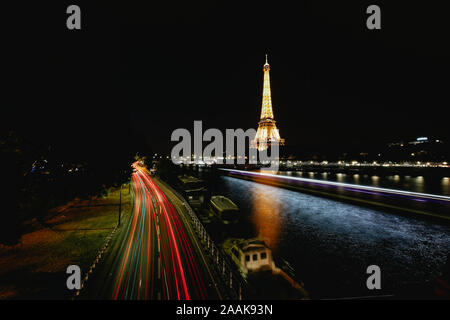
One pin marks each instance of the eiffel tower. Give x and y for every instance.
(267, 133)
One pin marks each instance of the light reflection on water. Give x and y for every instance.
(446, 185)
(330, 243)
(266, 215)
(376, 181)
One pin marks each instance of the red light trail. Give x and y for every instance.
(157, 259)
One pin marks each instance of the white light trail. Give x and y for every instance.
(348, 185)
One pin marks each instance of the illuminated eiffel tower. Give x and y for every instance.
(267, 133)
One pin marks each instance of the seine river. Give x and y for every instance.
(417, 183)
(330, 244)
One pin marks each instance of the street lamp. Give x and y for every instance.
(120, 204)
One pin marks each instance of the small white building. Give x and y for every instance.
(252, 255)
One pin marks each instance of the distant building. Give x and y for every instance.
(419, 140)
(421, 149)
(396, 144)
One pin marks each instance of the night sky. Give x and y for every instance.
(135, 72)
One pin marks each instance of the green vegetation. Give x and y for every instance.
(71, 234)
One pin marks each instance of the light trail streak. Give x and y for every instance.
(157, 255)
(353, 187)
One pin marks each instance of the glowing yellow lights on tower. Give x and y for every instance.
(267, 133)
(266, 112)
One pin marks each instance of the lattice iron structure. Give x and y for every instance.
(267, 133)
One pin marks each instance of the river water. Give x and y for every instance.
(416, 183)
(330, 244)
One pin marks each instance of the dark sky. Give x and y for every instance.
(136, 72)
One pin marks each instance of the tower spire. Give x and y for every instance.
(266, 110)
(266, 59)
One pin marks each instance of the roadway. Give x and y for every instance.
(156, 254)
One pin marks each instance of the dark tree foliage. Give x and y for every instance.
(14, 160)
(36, 179)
